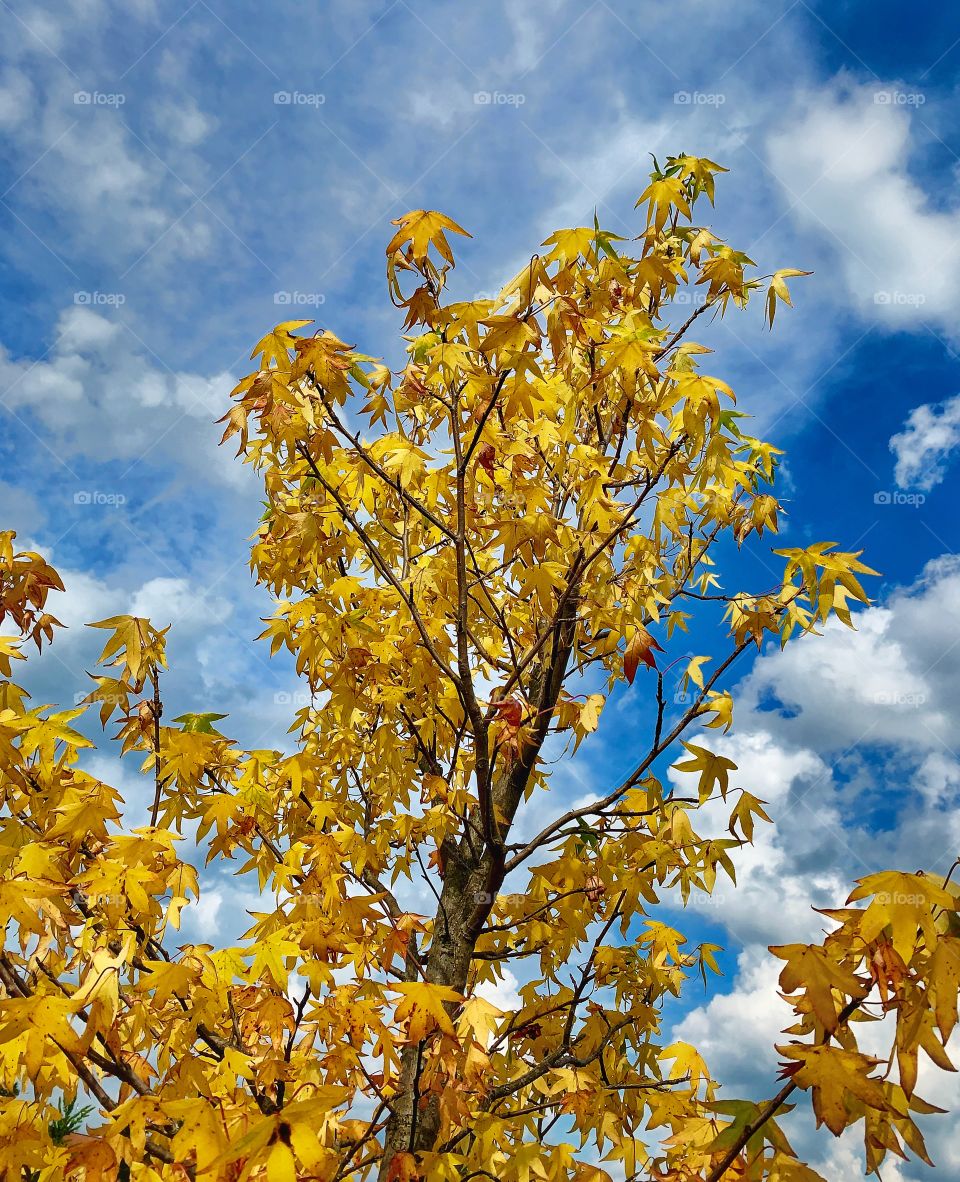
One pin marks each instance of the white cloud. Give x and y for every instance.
(223, 666)
(843, 158)
(796, 787)
(925, 445)
(503, 993)
(736, 1032)
(895, 680)
(44, 32)
(204, 914)
(87, 185)
(842, 1160)
(81, 179)
(16, 99)
(533, 31)
(87, 598)
(98, 394)
(177, 601)
(163, 600)
(600, 167)
(203, 397)
(183, 122)
(820, 736)
(938, 778)
(82, 330)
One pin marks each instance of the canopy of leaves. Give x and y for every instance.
(466, 557)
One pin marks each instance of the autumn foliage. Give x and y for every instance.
(467, 556)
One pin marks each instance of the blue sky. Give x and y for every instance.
(177, 177)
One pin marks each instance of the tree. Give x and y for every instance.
(468, 556)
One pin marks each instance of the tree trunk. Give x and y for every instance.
(465, 902)
(472, 880)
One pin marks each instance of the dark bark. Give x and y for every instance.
(473, 876)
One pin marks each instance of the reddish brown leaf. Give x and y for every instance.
(639, 649)
(486, 454)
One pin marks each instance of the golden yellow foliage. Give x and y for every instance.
(467, 557)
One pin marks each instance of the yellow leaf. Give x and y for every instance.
(424, 1008)
(281, 1164)
(421, 228)
(694, 669)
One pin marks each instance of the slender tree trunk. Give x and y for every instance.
(473, 877)
(465, 903)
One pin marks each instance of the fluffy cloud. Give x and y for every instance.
(175, 599)
(98, 393)
(212, 664)
(925, 445)
(795, 862)
(843, 159)
(847, 737)
(503, 993)
(16, 98)
(738, 1051)
(183, 123)
(892, 681)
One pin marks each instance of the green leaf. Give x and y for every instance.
(201, 724)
